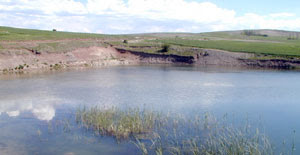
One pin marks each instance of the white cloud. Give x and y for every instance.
(121, 27)
(99, 31)
(255, 21)
(155, 29)
(132, 16)
(283, 15)
(162, 10)
(105, 6)
(47, 6)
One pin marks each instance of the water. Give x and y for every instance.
(34, 110)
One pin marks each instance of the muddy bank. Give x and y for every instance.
(27, 60)
(225, 58)
(205, 57)
(271, 63)
(81, 57)
(220, 57)
(150, 58)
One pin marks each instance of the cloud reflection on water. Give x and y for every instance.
(40, 105)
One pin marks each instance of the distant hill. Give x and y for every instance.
(10, 33)
(261, 42)
(26, 49)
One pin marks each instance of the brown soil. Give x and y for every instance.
(220, 57)
(26, 60)
(92, 56)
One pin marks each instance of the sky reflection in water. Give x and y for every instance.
(30, 104)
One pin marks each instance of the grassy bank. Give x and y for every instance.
(16, 34)
(279, 49)
(262, 42)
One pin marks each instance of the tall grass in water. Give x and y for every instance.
(115, 122)
(208, 136)
(156, 133)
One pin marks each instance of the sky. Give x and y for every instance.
(145, 16)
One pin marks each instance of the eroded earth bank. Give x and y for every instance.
(27, 59)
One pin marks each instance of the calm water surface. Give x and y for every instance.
(34, 110)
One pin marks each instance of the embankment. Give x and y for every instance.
(225, 58)
(95, 56)
(27, 60)
(271, 63)
(150, 58)
(205, 57)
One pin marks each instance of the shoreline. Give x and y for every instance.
(97, 57)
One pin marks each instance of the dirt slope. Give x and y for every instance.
(96, 56)
(91, 56)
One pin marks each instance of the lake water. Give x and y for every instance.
(34, 109)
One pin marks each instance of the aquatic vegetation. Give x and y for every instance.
(115, 122)
(157, 133)
(234, 141)
(207, 135)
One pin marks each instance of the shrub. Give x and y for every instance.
(57, 66)
(165, 48)
(20, 67)
(249, 32)
(54, 30)
(253, 33)
(125, 41)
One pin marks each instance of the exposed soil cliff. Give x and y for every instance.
(225, 58)
(107, 56)
(159, 58)
(204, 57)
(271, 63)
(91, 56)
(83, 57)
(220, 57)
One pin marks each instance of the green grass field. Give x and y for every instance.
(16, 34)
(269, 48)
(268, 43)
(56, 47)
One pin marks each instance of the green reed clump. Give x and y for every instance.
(155, 133)
(117, 123)
(230, 140)
(205, 136)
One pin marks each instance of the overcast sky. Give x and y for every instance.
(140, 16)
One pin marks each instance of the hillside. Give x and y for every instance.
(263, 48)
(269, 42)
